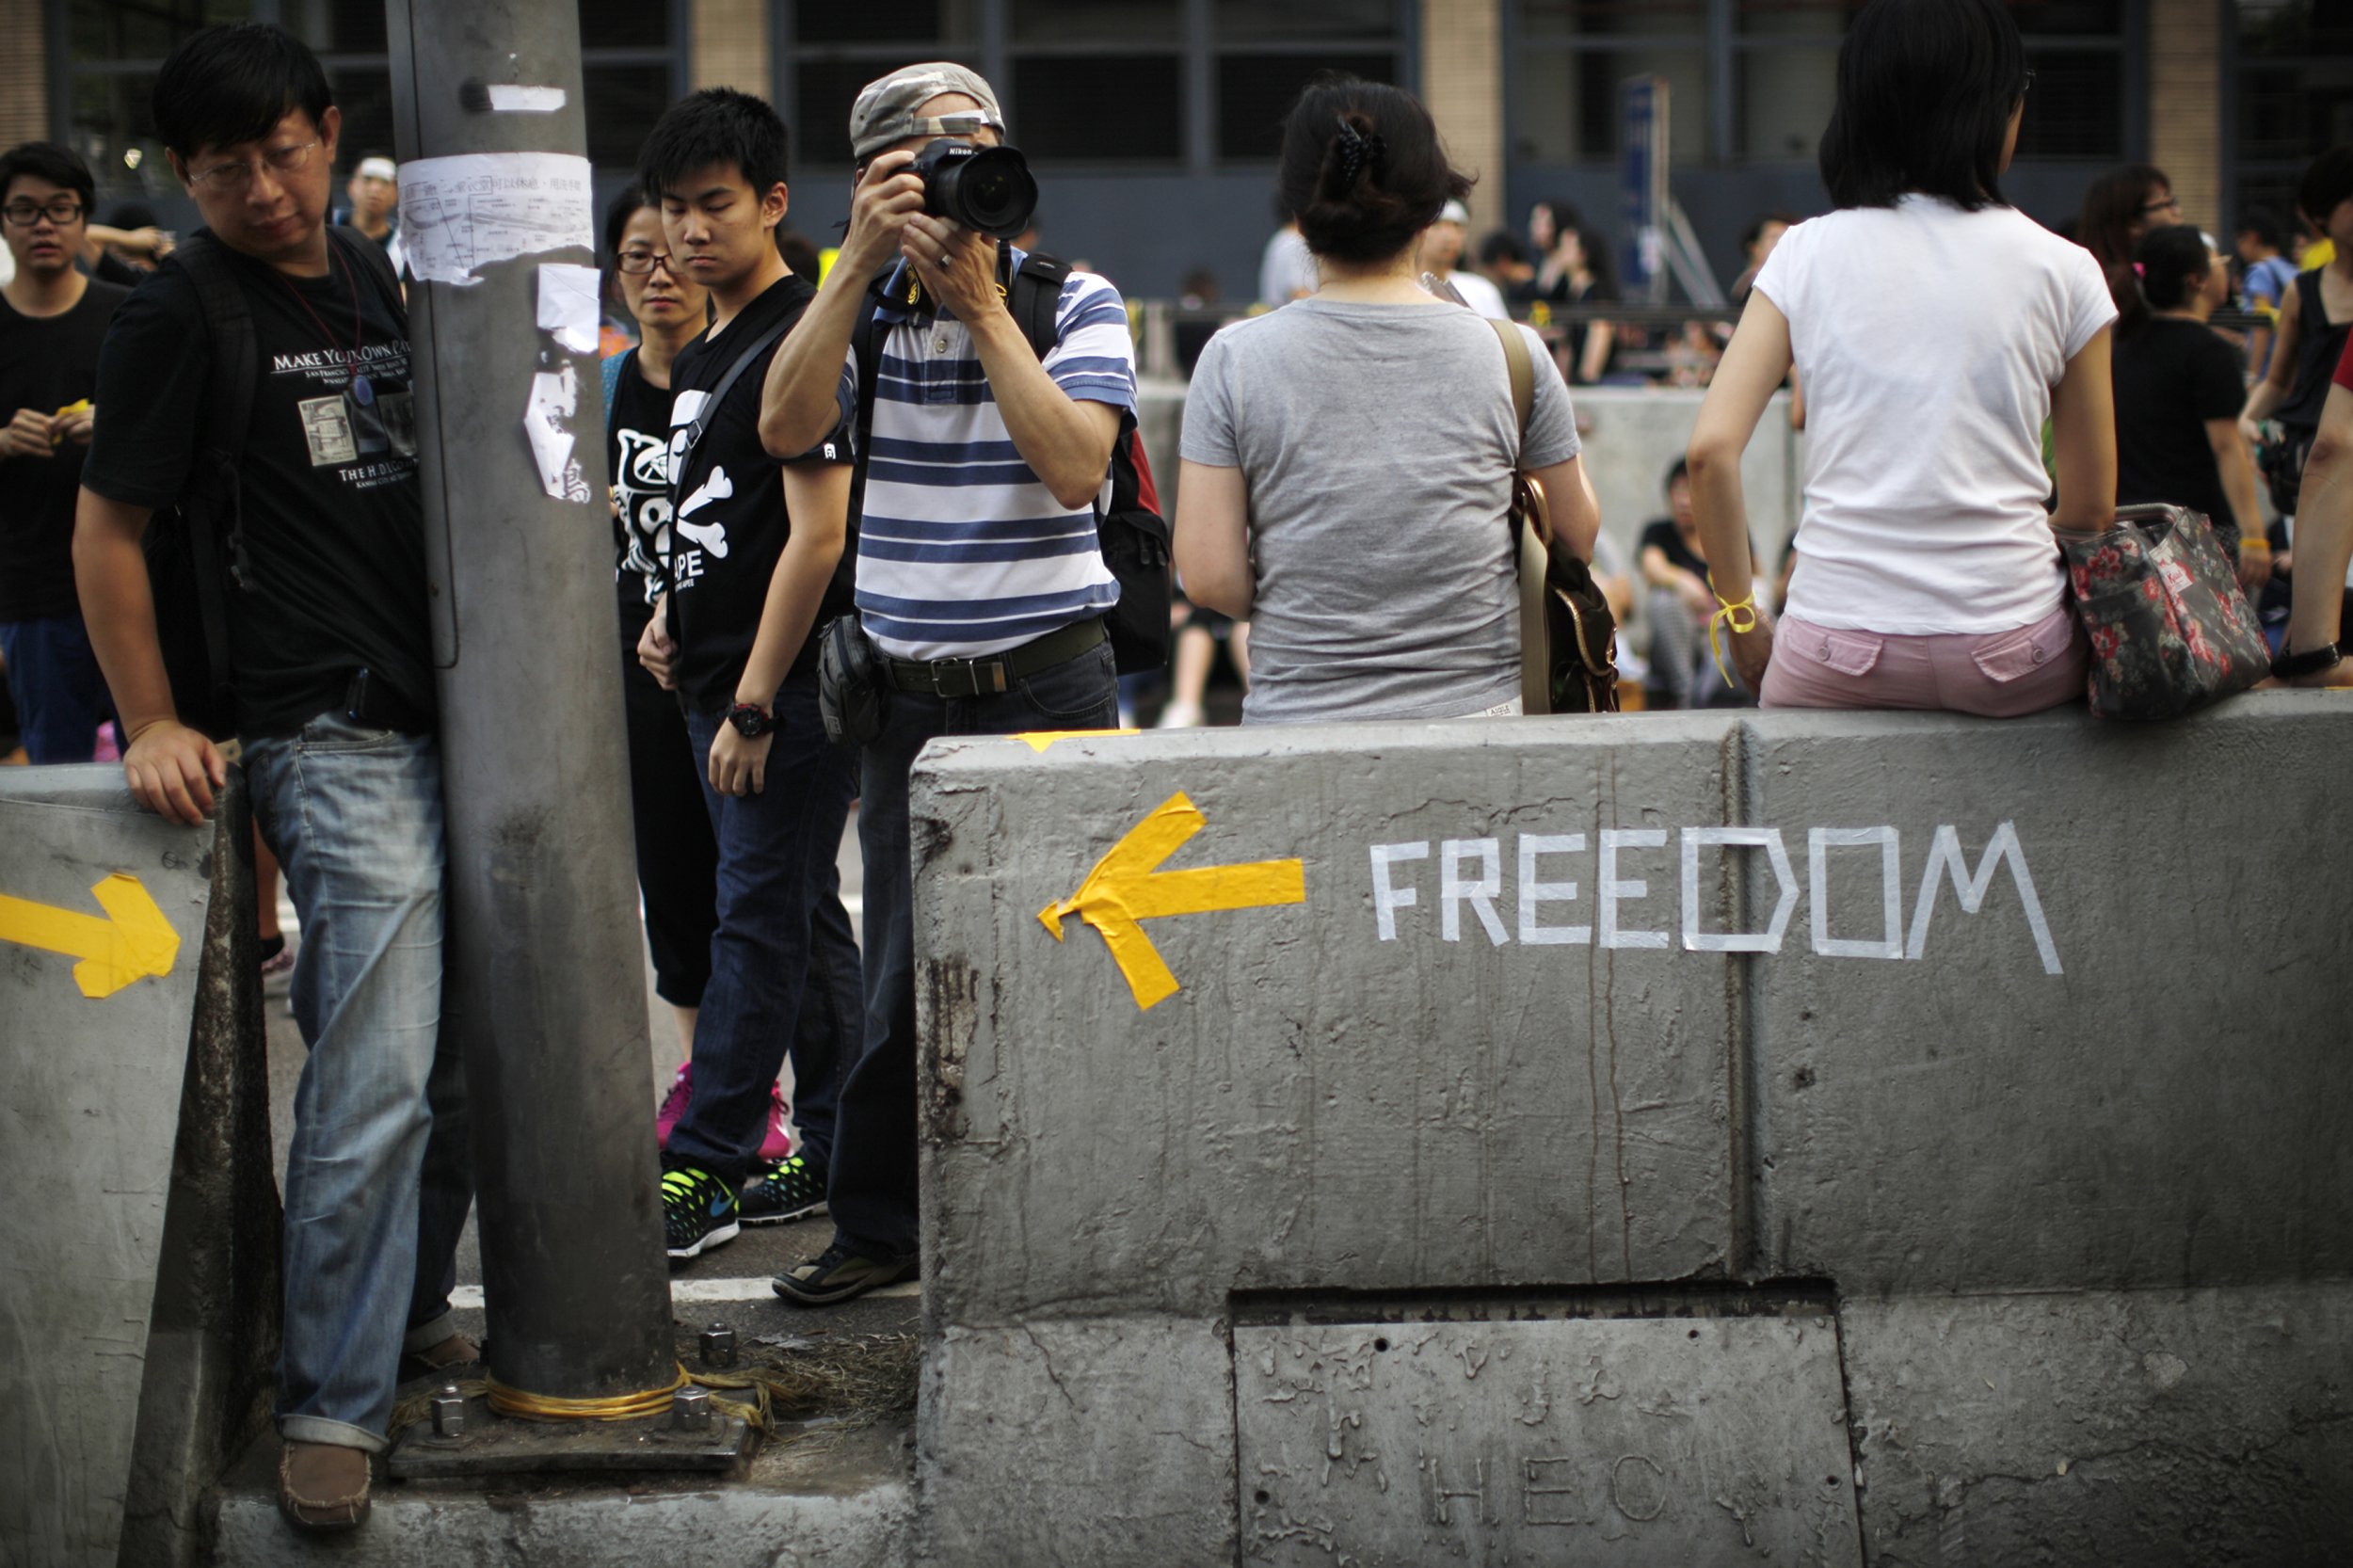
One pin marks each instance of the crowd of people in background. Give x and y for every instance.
(896, 462)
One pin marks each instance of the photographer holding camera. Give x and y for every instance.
(984, 449)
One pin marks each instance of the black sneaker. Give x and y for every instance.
(792, 1189)
(838, 1275)
(698, 1210)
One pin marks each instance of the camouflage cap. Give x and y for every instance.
(885, 111)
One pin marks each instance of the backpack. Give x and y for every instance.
(195, 548)
(1131, 529)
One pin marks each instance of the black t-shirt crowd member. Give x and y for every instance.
(335, 525)
(729, 524)
(1666, 536)
(46, 363)
(2171, 377)
(638, 454)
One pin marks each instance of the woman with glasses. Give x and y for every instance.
(2119, 207)
(677, 859)
(1936, 327)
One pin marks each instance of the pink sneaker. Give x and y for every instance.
(775, 1145)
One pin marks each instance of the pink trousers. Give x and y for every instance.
(1999, 675)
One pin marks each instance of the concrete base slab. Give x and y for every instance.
(2156, 1429)
(1667, 1441)
(843, 1500)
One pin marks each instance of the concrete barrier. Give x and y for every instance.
(1671, 1137)
(139, 1248)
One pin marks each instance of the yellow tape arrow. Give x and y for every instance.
(131, 942)
(1127, 887)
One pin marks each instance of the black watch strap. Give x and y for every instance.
(2287, 666)
(751, 720)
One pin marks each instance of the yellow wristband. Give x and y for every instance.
(1729, 613)
(2253, 541)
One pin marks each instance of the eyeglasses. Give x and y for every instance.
(2027, 86)
(24, 215)
(228, 177)
(639, 263)
(2170, 204)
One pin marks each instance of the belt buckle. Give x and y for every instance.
(942, 669)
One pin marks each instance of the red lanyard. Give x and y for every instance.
(362, 390)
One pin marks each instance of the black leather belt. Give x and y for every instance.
(996, 672)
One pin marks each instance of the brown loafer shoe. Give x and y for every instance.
(439, 1360)
(323, 1487)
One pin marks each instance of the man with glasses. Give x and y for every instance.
(330, 663)
(51, 325)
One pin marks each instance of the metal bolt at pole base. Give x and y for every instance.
(543, 963)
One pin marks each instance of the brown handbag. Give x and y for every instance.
(1568, 638)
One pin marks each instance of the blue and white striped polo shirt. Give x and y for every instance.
(962, 550)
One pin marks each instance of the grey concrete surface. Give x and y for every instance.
(2158, 1428)
(1316, 1107)
(1656, 1442)
(842, 1503)
(1744, 1047)
(2171, 1108)
(90, 1110)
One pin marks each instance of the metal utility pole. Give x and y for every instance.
(544, 964)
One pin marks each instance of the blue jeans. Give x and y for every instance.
(379, 1180)
(52, 678)
(873, 1189)
(784, 964)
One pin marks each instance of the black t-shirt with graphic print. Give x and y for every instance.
(637, 455)
(333, 521)
(727, 522)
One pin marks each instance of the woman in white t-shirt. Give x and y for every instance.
(1936, 330)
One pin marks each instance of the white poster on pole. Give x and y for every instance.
(460, 214)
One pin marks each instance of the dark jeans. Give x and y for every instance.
(873, 1187)
(60, 697)
(784, 964)
(677, 862)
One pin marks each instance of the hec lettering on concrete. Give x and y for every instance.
(1523, 889)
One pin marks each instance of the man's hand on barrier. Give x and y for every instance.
(655, 651)
(957, 266)
(173, 770)
(887, 197)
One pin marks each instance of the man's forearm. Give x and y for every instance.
(1067, 444)
(119, 609)
(795, 589)
(799, 401)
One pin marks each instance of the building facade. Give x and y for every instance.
(1152, 123)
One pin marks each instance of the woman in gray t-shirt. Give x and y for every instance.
(1347, 458)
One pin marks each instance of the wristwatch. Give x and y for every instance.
(751, 720)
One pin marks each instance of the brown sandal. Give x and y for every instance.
(323, 1487)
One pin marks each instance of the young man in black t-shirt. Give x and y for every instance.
(331, 665)
(52, 320)
(755, 548)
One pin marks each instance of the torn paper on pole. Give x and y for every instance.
(568, 304)
(547, 420)
(460, 214)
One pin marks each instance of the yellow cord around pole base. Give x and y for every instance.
(551, 1407)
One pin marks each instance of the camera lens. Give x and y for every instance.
(989, 190)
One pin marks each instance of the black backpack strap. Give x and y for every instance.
(364, 255)
(212, 500)
(759, 345)
(1034, 298)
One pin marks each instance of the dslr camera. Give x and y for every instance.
(988, 190)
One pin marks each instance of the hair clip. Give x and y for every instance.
(1357, 151)
(2139, 271)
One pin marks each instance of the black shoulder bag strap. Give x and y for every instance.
(718, 394)
(212, 502)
